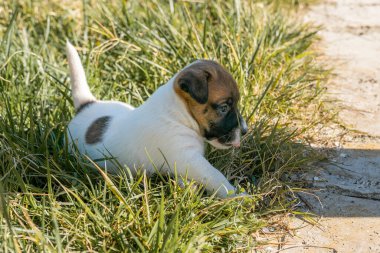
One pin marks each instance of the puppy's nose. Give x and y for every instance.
(244, 130)
(243, 126)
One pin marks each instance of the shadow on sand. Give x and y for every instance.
(348, 185)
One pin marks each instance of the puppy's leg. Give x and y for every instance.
(214, 181)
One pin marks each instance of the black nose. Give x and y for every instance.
(243, 125)
(243, 130)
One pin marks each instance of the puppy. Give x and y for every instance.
(168, 131)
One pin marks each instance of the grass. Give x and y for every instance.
(52, 201)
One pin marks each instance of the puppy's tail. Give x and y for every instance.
(79, 87)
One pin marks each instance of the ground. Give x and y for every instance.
(348, 185)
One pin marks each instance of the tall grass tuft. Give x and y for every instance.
(53, 201)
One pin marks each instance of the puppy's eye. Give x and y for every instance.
(223, 108)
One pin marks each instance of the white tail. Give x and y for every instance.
(79, 87)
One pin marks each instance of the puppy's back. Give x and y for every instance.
(91, 130)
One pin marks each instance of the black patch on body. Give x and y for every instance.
(96, 130)
(224, 129)
(84, 106)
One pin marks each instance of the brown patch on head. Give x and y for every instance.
(204, 85)
(96, 130)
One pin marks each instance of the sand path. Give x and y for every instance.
(350, 182)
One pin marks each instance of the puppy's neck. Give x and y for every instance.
(166, 101)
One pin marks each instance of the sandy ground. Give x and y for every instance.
(348, 196)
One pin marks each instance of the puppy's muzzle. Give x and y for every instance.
(238, 132)
(230, 138)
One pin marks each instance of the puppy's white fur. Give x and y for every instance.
(160, 131)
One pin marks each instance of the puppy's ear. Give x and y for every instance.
(195, 83)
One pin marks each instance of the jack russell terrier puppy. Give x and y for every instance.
(168, 131)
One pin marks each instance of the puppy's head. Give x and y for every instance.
(211, 96)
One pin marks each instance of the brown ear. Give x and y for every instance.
(195, 83)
